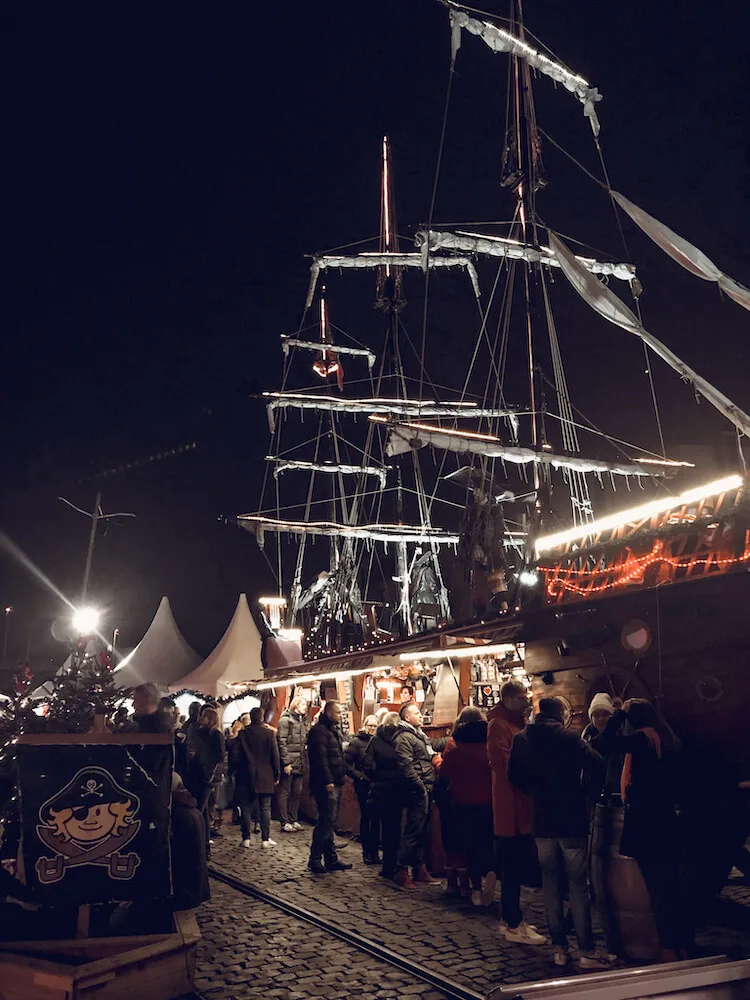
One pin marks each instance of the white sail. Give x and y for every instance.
(405, 437)
(347, 470)
(679, 249)
(499, 246)
(392, 407)
(257, 523)
(607, 304)
(311, 345)
(372, 260)
(502, 41)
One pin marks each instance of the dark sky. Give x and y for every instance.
(167, 168)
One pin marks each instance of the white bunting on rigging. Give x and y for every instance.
(347, 470)
(327, 529)
(310, 345)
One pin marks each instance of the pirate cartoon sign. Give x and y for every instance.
(91, 821)
(95, 818)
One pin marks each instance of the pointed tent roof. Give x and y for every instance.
(235, 660)
(161, 657)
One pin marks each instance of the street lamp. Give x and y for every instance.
(86, 621)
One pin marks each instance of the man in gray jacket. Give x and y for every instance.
(291, 738)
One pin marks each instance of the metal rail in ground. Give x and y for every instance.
(450, 988)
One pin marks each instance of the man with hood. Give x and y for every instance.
(546, 763)
(384, 794)
(511, 812)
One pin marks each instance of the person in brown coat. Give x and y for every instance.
(258, 770)
(511, 812)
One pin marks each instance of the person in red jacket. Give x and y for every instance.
(466, 770)
(511, 811)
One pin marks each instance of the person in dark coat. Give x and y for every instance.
(601, 711)
(257, 770)
(291, 738)
(414, 755)
(327, 775)
(146, 715)
(546, 763)
(650, 832)
(466, 770)
(354, 757)
(384, 794)
(205, 752)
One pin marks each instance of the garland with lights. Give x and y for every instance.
(225, 700)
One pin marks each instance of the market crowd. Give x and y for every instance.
(520, 801)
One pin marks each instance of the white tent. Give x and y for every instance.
(161, 657)
(236, 660)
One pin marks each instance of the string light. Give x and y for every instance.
(633, 568)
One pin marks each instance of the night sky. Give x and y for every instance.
(169, 166)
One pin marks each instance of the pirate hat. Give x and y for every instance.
(91, 786)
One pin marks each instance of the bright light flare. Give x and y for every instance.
(86, 621)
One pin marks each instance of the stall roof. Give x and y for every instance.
(383, 655)
(161, 657)
(234, 664)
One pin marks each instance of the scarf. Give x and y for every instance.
(627, 770)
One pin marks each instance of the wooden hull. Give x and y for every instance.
(692, 657)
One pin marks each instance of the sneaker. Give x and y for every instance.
(268, 843)
(316, 867)
(297, 826)
(403, 879)
(560, 957)
(421, 875)
(523, 934)
(476, 897)
(287, 828)
(338, 866)
(488, 892)
(597, 959)
(246, 843)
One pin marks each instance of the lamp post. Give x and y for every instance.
(96, 516)
(8, 613)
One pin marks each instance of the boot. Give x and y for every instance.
(421, 875)
(464, 883)
(316, 866)
(403, 879)
(451, 885)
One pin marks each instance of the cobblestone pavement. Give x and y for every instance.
(450, 937)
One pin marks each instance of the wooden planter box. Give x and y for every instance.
(146, 967)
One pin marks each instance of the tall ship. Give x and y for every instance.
(433, 493)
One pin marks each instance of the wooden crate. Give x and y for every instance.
(144, 967)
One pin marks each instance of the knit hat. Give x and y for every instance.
(601, 702)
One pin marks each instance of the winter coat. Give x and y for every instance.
(291, 738)
(466, 767)
(257, 765)
(151, 722)
(414, 758)
(650, 821)
(609, 788)
(546, 763)
(354, 758)
(381, 765)
(511, 809)
(326, 754)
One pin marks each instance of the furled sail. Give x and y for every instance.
(324, 262)
(499, 246)
(379, 471)
(405, 437)
(503, 41)
(258, 524)
(679, 249)
(392, 407)
(608, 305)
(311, 345)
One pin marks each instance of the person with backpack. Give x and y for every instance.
(257, 770)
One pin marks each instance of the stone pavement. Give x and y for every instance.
(249, 945)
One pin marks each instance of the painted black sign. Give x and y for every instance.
(95, 821)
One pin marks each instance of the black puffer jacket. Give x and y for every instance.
(547, 763)
(381, 765)
(414, 756)
(291, 739)
(354, 757)
(326, 754)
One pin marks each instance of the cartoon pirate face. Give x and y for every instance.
(88, 822)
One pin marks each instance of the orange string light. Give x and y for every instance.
(631, 569)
